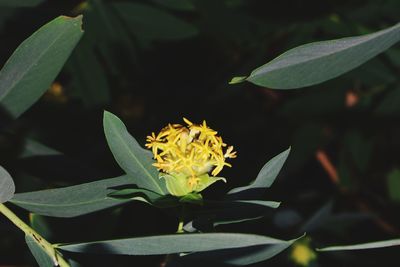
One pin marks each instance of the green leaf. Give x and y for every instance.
(176, 184)
(237, 79)
(317, 62)
(135, 192)
(150, 23)
(265, 177)
(42, 258)
(193, 198)
(131, 157)
(207, 180)
(33, 148)
(73, 200)
(40, 225)
(34, 65)
(169, 244)
(20, 3)
(216, 213)
(240, 256)
(393, 185)
(378, 244)
(7, 187)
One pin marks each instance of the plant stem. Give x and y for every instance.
(181, 220)
(46, 246)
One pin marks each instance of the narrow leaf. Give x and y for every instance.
(169, 244)
(34, 65)
(317, 62)
(73, 200)
(379, 244)
(7, 187)
(42, 258)
(217, 213)
(132, 158)
(240, 256)
(265, 178)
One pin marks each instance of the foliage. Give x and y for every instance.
(150, 62)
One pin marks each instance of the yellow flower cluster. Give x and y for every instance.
(192, 151)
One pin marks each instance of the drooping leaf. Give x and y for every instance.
(264, 179)
(30, 70)
(7, 187)
(131, 157)
(317, 62)
(42, 258)
(378, 244)
(149, 23)
(73, 200)
(169, 244)
(239, 256)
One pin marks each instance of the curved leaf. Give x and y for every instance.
(132, 158)
(7, 187)
(34, 65)
(378, 244)
(73, 200)
(169, 244)
(239, 256)
(317, 62)
(265, 177)
(217, 213)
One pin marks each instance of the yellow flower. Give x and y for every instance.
(186, 154)
(302, 254)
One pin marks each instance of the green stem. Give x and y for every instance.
(181, 220)
(46, 246)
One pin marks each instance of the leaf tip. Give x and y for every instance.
(238, 79)
(77, 21)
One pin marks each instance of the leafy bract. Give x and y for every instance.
(317, 62)
(7, 187)
(132, 158)
(34, 65)
(73, 200)
(265, 177)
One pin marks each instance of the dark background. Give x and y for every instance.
(150, 71)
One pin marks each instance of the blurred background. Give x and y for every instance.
(153, 62)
